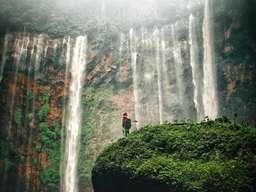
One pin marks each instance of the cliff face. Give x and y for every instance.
(34, 94)
(31, 111)
(235, 47)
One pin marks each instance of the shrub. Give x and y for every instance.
(43, 112)
(183, 157)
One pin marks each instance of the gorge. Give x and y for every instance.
(68, 73)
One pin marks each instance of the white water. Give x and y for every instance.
(176, 49)
(133, 50)
(167, 93)
(210, 98)
(4, 56)
(20, 48)
(159, 74)
(122, 42)
(78, 65)
(55, 46)
(27, 112)
(20, 54)
(196, 71)
(67, 42)
(38, 53)
(35, 60)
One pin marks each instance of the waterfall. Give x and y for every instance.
(37, 55)
(166, 84)
(67, 62)
(4, 56)
(78, 64)
(122, 44)
(178, 67)
(159, 74)
(20, 54)
(20, 48)
(27, 112)
(45, 52)
(196, 68)
(133, 49)
(55, 46)
(37, 63)
(210, 98)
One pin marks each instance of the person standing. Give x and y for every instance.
(126, 122)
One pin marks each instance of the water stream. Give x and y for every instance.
(78, 65)
(210, 97)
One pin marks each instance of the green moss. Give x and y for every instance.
(43, 112)
(50, 139)
(208, 156)
(19, 118)
(93, 101)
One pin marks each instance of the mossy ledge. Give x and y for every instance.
(211, 156)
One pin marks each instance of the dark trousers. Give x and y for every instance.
(126, 132)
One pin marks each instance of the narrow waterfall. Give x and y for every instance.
(4, 56)
(122, 51)
(55, 46)
(122, 44)
(196, 69)
(30, 122)
(159, 73)
(168, 96)
(133, 49)
(210, 97)
(37, 54)
(46, 51)
(20, 55)
(176, 49)
(31, 77)
(37, 62)
(67, 43)
(78, 65)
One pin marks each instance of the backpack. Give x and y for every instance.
(128, 124)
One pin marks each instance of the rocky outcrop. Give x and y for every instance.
(184, 157)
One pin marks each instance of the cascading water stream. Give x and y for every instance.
(210, 97)
(37, 54)
(176, 49)
(166, 84)
(67, 41)
(20, 55)
(133, 50)
(29, 123)
(7, 38)
(196, 71)
(21, 46)
(159, 74)
(122, 44)
(78, 65)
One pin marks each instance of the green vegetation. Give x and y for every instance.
(96, 104)
(186, 157)
(43, 112)
(19, 118)
(50, 142)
